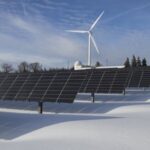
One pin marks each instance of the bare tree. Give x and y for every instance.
(23, 67)
(35, 67)
(7, 68)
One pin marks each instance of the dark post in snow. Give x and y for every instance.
(93, 97)
(124, 91)
(40, 107)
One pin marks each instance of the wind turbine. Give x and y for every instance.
(90, 37)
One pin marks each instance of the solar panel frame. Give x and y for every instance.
(93, 82)
(106, 82)
(63, 86)
(6, 84)
(5, 96)
(70, 89)
(120, 81)
(145, 80)
(135, 78)
(42, 86)
(22, 86)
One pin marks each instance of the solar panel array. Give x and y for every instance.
(104, 81)
(139, 78)
(62, 86)
(145, 79)
(52, 86)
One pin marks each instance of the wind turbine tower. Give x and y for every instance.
(90, 37)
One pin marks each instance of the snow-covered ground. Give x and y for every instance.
(112, 123)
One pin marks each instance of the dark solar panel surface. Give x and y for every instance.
(62, 86)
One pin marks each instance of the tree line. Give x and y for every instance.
(135, 62)
(25, 67)
(22, 67)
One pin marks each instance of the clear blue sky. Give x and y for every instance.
(34, 30)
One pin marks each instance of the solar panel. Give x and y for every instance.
(41, 87)
(27, 87)
(14, 87)
(52, 87)
(2, 77)
(71, 87)
(6, 85)
(119, 82)
(135, 78)
(56, 86)
(106, 82)
(62, 86)
(145, 79)
(93, 81)
(85, 82)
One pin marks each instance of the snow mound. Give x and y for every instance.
(130, 109)
(148, 101)
(117, 129)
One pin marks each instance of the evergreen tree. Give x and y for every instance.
(97, 64)
(134, 64)
(127, 63)
(144, 62)
(139, 64)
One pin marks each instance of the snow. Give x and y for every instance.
(105, 125)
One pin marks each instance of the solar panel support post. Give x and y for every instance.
(40, 107)
(124, 91)
(93, 97)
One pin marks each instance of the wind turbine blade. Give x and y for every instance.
(76, 31)
(95, 45)
(95, 22)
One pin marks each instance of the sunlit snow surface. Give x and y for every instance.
(106, 125)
